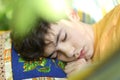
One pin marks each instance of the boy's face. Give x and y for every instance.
(68, 40)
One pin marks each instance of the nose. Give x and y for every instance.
(66, 49)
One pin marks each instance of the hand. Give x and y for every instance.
(75, 66)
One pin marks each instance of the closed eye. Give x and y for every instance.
(65, 37)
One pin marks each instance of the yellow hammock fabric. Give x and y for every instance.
(107, 42)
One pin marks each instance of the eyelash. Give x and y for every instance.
(65, 37)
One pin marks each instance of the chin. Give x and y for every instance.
(89, 56)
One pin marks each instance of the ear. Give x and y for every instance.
(72, 15)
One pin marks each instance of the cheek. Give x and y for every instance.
(49, 49)
(77, 39)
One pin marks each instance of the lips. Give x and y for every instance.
(82, 54)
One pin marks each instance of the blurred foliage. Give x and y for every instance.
(21, 15)
(6, 8)
(26, 14)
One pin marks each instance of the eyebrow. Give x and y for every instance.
(58, 36)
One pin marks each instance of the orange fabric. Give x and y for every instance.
(107, 35)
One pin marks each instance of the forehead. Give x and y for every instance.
(50, 38)
(56, 28)
(52, 33)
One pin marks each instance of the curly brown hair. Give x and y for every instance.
(31, 46)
